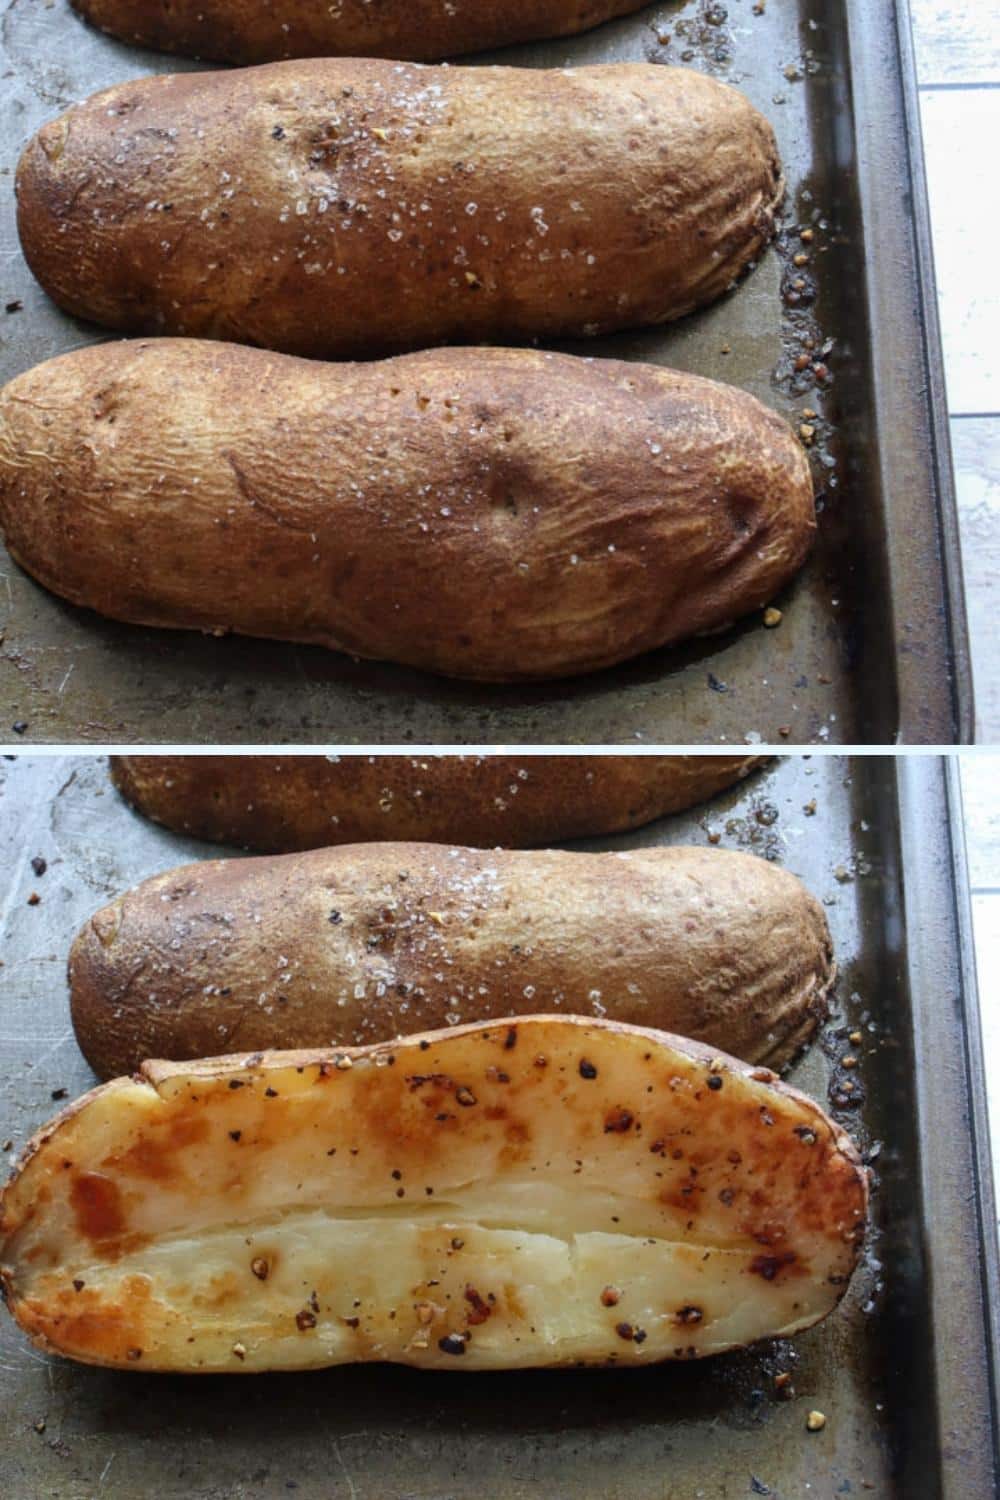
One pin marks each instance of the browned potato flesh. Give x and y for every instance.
(245, 31)
(337, 208)
(367, 942)
(550, 1192)
(279, 804)
(482, 513)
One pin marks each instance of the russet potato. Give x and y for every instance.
(246, 31)
(491, 514)
(278, 804)
(366, 942)
(338, 208)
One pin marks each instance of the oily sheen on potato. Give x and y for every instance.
(279, 804)
(245, 31)
(551, 1191)
(499, 514)
(352, 207)
(370, 941)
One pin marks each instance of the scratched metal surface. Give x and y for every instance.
(695, 1432)
(872, 647)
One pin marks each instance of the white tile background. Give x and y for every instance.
(958, 63)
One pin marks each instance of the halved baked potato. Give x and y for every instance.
(553, 1191)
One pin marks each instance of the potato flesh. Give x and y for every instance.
(544, 1292)
(221, 1228)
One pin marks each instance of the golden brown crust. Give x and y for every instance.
(482, 513)
(278, 804)
(365, 942)
(345, 208)
(140, 1225)
(244, 31)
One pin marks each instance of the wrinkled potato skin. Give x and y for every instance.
(283, 804)
(110, 1225)
(349, 208)
(366, 942)
(491, 514)
(245, 31)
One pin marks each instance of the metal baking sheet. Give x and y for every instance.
(902, 1370)
(872, 647)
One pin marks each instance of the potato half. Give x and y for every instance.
(492, 514)
(348, 207)
(245, 31)
(280, 804)
(554, 1191)
(371, 941)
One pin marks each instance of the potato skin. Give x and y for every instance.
(176, 1220)
(283, 804)
(480, 513)
(368, 941)
(343, 208)
(245, 31)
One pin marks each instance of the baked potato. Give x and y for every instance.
(369, 941)
(555, 1191)
(281, 804)
(481, 513)
(345, 208)
(235, 31)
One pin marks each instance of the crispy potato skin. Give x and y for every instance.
(344, 208)
(244, 31)
(365, 942)
(474, 1192)
(480, 513)
(283, 804)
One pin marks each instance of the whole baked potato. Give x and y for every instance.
(499, 514)
(247, 31)
(279, 804)
(369, 941)
(338, 208)
(554, 1191)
